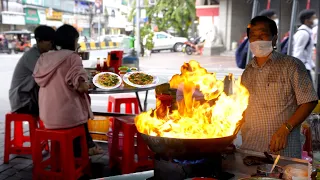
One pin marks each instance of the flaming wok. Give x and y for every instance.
(188, 149)
(198, 127)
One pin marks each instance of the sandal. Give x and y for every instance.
(96, 150)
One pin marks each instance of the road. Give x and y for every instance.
(164, 65)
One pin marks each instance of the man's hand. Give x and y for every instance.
(279, 139)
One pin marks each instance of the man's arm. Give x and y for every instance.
(306, 97)
(30, 59)
(301, 39)
(305, 93)
(303, 111)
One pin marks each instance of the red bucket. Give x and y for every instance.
(165, 99)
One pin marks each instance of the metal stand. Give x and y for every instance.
(292, 25)
(318, 60)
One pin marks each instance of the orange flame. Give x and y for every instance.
(215, 115)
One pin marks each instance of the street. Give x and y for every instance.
(164, 65)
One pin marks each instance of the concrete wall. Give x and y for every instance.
(234, 18)
(241, 16)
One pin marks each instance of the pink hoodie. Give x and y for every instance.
(60, 104)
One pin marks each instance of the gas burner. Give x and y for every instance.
(186, 162)
(176, 169)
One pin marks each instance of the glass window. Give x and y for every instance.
(161, 36)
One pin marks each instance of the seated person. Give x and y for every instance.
(23, 93)
(200, 45)
(63, 98)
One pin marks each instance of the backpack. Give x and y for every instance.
(285, 43)
(241, 54)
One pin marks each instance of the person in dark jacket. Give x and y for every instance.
(23, 93)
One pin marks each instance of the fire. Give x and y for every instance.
(216, 115)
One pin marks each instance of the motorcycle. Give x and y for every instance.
(189, 47)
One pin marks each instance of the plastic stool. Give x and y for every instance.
(62, 162)
(127, 163)
(114, 105)
(115, 101)
(15, 145)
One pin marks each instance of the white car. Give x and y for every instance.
(114, 38)
(165, 41)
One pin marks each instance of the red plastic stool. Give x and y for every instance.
(15, 145)
(115, 101)
(63, 164)
(127, 162)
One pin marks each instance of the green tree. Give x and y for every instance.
(166, 14)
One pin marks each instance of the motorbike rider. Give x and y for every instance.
(200, 45)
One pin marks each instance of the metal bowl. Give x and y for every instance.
(264, 171)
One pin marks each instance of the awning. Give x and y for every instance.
(54, 23)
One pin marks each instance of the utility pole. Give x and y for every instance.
(254, 14)
(318, 59)
(292, 25)
(138, 27)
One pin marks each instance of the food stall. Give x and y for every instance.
(233, 163)
(193, 136)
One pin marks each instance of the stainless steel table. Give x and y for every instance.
(130, 90)
(232, 164)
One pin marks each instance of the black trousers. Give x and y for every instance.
(77, 143)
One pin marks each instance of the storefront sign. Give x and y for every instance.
(42, 17)
(13, 18)
(32, 16)
(53, 15)
(98, 7)
(55, 24)
(34, 2)
(68, 19)
(83, 21)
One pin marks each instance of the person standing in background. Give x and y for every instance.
(303, 41)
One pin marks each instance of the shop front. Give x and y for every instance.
(83, 24)
(53, 18)
(32, 18)
(12, 21)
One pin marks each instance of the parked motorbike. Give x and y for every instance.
(189, 47)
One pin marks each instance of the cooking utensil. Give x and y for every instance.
(275, 163)
(188, 149)
(254, 161)
(259, 178)
(264, 171)
(269, 157)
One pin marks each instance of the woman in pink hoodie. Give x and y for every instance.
(63, 102)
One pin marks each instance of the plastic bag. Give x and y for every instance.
(295, 172)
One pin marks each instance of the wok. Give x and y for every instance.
(188, 149)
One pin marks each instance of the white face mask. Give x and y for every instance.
(315, 22)
(261, 48)
(276, 21)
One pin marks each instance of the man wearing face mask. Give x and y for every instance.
(302, 41)
(241, 53)
(281, 94)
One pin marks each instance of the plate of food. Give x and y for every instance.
(107, 80)
(140, 79)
